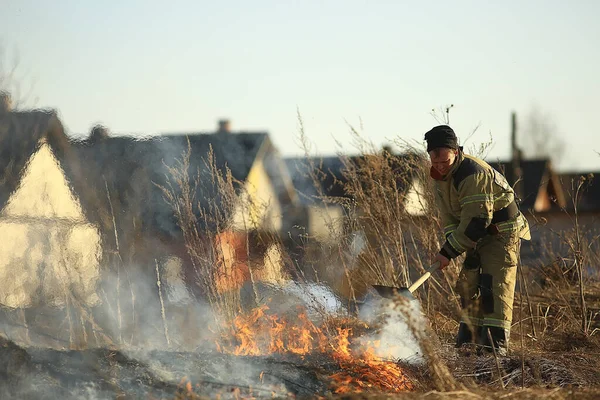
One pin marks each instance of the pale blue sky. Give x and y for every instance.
(149, 67)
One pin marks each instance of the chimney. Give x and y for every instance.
(224, 126)
(516, 155)
(98, 133)
(5, 103)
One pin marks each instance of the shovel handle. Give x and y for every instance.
(424, 277)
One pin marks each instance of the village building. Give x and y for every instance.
(89, 224)
(96, 223)
(50, 246)
(224, 184)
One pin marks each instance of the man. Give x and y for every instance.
(481, 220)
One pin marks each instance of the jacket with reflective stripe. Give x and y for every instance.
(467, 198)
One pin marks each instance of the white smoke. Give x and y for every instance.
(396, 320)
(317, 298)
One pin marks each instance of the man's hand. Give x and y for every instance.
(442, 260)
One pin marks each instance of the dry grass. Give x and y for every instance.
(399, 246)
(554, 342)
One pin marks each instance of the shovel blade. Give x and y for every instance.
(390, 292)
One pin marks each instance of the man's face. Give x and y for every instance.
(442, 159)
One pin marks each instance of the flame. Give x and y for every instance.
(259, 333)
(370, 372)
(362, 369)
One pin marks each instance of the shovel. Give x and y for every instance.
(391, 292)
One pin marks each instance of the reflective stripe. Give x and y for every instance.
(448, 229)
(449, 251)
(505, 227)
(498, 323)
(522, 221)
(516, 223)
(454, 243)
(476, 198)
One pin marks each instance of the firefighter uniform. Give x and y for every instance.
(482, 221)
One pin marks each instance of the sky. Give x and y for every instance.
(147, 67)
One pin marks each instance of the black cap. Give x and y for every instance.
(441, 136)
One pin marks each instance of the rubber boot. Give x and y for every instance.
(464, 335)
(499, 340)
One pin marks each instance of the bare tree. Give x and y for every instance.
(541, 136)
(11, 80)
(442, 114)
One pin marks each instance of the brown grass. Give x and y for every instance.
(399, 247)
(554, 343)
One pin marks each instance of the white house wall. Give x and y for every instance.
(415, 202)
(47, 247)
(259, 206)
(325, 223)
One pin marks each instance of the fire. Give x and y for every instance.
(363, 370)
(259, 333)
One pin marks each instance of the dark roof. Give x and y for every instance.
(314, 177)
(331, 177)
(136, 170)
(318, 177)
(237, 151)
(133, 170)
(21, 135)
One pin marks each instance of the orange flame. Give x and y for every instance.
(259, 333)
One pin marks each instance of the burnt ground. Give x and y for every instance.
(108, 374)
(37, 373)
(560, 363)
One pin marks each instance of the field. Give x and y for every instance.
(301, 320)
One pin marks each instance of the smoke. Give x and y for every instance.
(318, 300)
(396, 323)
(125, 349)
(144, 332)
(141, 361)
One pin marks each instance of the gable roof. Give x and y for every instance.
(538, 179)
(235, 151)
(318, 177)
(532, 173)
(21, 136)
(131, 170)
(134, 170)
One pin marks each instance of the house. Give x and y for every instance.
(547, 200)
(539, 193)
(326, 184)
(582, 193)
(536, 183)
(85, 220)
(45, 227)
(225, 183)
